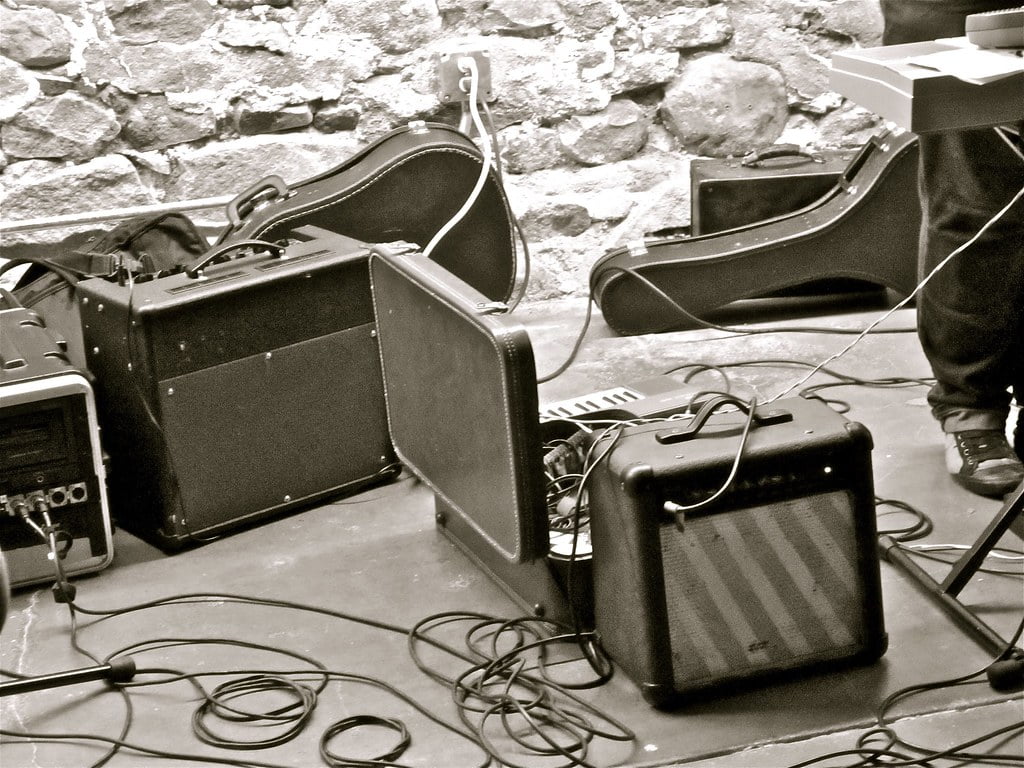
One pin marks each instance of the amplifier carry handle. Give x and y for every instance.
(246, 201)
(218, 254)
(761, 418)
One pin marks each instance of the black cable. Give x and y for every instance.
(574, 351)
(64, 592)
(119, 744)
(295, 715)
(927, 756)
(918, 529)
(498, 684)
(357, 721)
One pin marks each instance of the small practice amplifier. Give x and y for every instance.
(777, 575)
(51, 464)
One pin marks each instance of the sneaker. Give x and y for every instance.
(982, 461)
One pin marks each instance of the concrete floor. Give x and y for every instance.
(377, 555)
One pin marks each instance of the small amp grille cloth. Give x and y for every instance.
(766, 587)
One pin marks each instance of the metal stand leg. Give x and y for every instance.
(1010, 674)
(119, 670)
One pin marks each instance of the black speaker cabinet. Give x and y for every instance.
(777, 575)
(250, 388)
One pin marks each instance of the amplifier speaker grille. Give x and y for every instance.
(762, 588)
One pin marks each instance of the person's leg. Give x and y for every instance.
(969, 314)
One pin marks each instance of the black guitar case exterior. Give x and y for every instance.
(865, 228)
(405, 186)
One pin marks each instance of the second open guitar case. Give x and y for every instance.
(405, 186)
(865, 228)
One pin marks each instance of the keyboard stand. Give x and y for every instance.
(945, 592)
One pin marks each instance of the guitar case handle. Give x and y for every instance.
(218, 254)
(761, 418)
(263, 191)
(790, 151)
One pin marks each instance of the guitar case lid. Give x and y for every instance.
(461, 392)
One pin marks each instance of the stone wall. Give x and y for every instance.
(599, 104)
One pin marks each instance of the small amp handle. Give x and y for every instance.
(761, 418)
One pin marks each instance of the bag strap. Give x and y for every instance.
(69, 266)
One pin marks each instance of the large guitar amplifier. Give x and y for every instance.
(52, 476)
(697, 591)
(241, 390)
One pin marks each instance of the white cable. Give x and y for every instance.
(960, 548)
(468, 63)
(922, 284)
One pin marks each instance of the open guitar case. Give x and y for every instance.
(864, 228)
(403, 187)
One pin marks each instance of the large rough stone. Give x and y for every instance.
(528, 147)
(334, 57)
(663, 209)
(72, 9)
(719, 106)
(155, 68)
(787, 45)
(541, 79)
(252, 33)
(225, 167)
(102, 63)
(53, 85)
(18, 89)
(316, 68)
(150, 123)
(244, 69)
(252, 120)
(688, 28)
(525, 18)
(640, 9)
(34, 37)
(334, 117)
(36, 189)
(389, 101)
(397, 25)
(588, 17)
(858, 20)
(642, 70)
(616, 133)
(643, 191)
(848, 126)
(554, 218)
(169, 21)
(65, 127)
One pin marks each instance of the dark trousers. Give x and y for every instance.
(971, 314)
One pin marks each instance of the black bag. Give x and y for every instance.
(134, 249)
